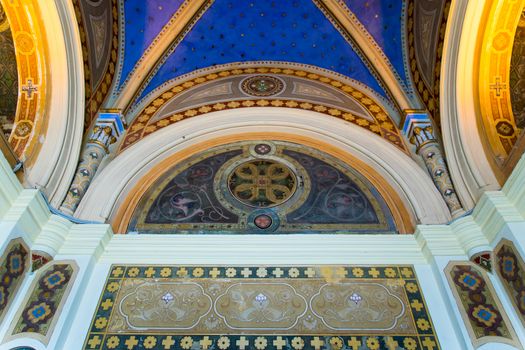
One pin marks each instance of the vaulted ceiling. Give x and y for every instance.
(133, 49)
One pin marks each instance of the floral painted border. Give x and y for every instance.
(98, 338)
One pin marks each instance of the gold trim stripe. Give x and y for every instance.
(382, 125)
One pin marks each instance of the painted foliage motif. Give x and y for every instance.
(259, 187)
(481, 310)
(511, 269)
(14, 264)
(261, 307)
(44, 302)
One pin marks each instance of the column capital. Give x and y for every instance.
(109, 126)
(418, 128)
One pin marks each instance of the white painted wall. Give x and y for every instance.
(94, 248)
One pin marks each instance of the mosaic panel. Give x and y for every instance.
(261, 187)
(14, 264)
(8, 77)
(478, 304)
(261, 307)
(517, 74)
(42, 306)
(511, 269)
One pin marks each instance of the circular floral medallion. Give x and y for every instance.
(262, 148)
(262, 183)
(263, 221)
(262, 85)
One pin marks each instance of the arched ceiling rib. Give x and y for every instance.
(197, 36)
(185, 16)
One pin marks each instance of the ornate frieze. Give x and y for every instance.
(300, 88)
(482, 312)
(511, 269)
(261, 307)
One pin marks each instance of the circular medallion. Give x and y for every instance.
(262, 148)
(262, 85)
(23, 129)
(262, 183)
(263, 221)
(505, 128)
(24, 43)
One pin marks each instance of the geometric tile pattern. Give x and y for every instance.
(261, 307)
(13, 266)
(511, 269)
(484, 317)
(46, 297)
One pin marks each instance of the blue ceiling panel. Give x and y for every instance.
(263, 30)
(143, 22)
(382, 19)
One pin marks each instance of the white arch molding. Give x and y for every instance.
(412, 183)
(468, 163)
(54, 167)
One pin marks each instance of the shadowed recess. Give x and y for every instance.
(382, 19)
(291, 30)
(143, 22)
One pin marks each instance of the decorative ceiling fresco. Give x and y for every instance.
(134, 48)
(143, 21)
(99, 31)
(283, 87)
(426, 26)
(384, 19)
(290, 31)
(8, 77)
(261, 187)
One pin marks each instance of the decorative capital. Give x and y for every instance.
(418, 128)
(110, 125)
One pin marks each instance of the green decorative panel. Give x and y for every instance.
(511, 269)
(478, 304)
(261, 307)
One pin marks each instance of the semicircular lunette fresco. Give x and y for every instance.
(261, 187)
